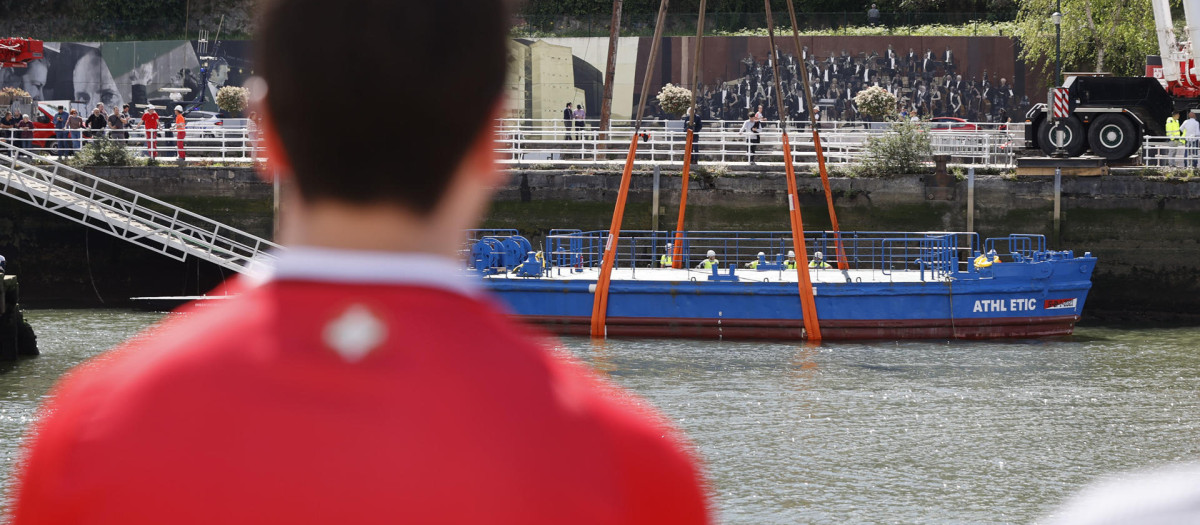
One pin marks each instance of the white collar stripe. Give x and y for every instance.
(365, 267)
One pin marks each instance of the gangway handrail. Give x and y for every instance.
(95, 195)
(127, 214)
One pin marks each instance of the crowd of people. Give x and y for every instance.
(925, 84)
(64, 133)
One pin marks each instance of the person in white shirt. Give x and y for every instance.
(750, 131)
(1191, 132)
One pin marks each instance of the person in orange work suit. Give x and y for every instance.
(362, 376)
(180, 132)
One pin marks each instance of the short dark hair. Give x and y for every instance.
(394, 45)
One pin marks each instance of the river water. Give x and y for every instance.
(881, 432)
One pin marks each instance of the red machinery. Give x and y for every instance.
(18, 52)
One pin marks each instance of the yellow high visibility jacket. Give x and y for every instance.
(818, 264)
(1173, 130)
(707, 264)
(665, 261)
(790, 264)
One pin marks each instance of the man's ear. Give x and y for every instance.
(482, 158)
(278, 163)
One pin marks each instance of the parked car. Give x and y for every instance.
(951, 124)
(208, 124)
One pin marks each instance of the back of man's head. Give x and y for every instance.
(420, 54)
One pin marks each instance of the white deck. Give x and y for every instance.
(823, 275)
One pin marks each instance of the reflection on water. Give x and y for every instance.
(65, 338)
(980, 432)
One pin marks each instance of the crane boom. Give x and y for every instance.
(1168, 46)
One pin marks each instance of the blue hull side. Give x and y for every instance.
(1007, 300)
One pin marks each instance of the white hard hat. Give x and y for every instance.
(791, 253)
(712, 253)
(179, 109)
(818, 255)
(761, 253)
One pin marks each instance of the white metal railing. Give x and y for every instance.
(520, 145)
(1170, 152)
(528, 141)
(199, 142)
(126, 214)
(560, 125)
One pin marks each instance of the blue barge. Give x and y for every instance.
(895, 286)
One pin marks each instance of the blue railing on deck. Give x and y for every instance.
(1018, 246)
(937, 253)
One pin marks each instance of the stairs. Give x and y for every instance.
(126, 214)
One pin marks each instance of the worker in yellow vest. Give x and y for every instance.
(791, 261)
(754, 264)
(710, 262)
(667, 260)
(987, 259)
(818, 261)
(1176, 141)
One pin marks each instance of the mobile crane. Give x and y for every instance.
(1110, 115)
(19, 52)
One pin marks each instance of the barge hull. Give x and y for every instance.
(843, 330)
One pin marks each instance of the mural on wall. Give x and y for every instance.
(544, 75)
(83, 74)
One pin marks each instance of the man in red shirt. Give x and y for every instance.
(150, 122)
(365, 377)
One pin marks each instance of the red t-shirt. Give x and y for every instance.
(150, 119)
(246, 413)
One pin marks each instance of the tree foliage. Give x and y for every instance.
(102, 151)
(903, 149)
(1097, 35)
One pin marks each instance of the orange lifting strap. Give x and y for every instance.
(600, 301)
(677, 253)
(808, 305)
(837, 231)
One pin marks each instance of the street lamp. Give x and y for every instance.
(1057, 17)
(1059, 149)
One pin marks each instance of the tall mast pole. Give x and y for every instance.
(600, 300)
(677, 252)
(614, 34)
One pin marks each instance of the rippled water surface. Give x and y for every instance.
(932, 432)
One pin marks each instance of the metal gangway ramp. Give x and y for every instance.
(124, 213)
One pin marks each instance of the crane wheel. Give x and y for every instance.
(1113, 136)
(1073, 137)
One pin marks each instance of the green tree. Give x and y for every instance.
(1097, 35)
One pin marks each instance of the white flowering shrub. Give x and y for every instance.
(675, 100)
(875, 102)
(232, 99)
